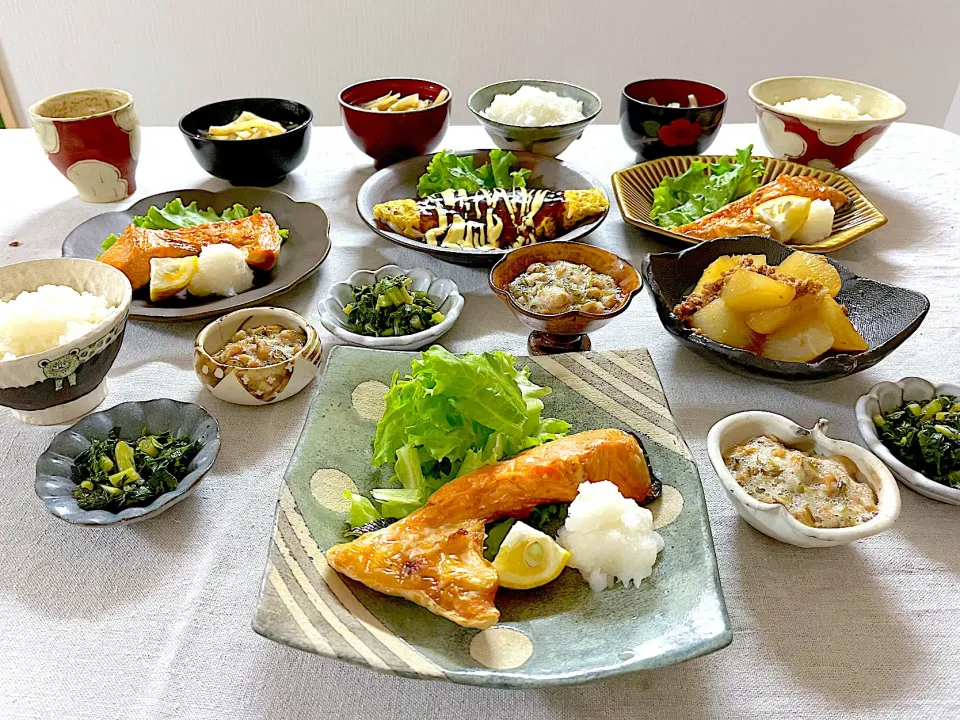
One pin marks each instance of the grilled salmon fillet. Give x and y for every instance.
(434, 556)
(737, 217)
(257, 236)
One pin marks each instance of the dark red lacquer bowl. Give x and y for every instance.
(389, 137)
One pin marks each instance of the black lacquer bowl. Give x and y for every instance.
(885, 315)
(260, 162)
(55, 482)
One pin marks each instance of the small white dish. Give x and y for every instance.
(886, 396)
(443, 292)
(774, 519)
(255, 386)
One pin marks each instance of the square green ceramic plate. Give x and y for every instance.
(561, 633)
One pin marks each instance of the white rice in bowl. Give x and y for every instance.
(50, 316)
(609, 537)
(532, 107)
(828, 107)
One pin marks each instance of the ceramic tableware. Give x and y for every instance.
(886, 396)
(262, 385)
(93, 138)
(261, 161)
(65, 382)
(548, 140)
(774, 519)
(567, 331)
(54, 484)
(633, 188)
(390, 137)
(563, 632)
(885, 315)
(400, 181)
(300, 256)
(655, 130)
(442, 291)
(819, 142)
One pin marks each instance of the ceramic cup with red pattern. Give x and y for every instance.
(824, 143)
(93, 138)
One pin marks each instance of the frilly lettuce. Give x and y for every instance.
(448, 171)
(705, 188)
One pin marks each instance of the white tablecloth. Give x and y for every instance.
(153, 620)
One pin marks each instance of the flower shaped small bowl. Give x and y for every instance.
(54, 484)
(550, 140)
(819, 142)
(774, 519)
(886, 396)
(655, 131)
(444, 293)
(262, 385)
(567, 331)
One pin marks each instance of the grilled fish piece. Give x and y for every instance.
(258, 236)
(737, 217)
(434, 556)
(490, 218)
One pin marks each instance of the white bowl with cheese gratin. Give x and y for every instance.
(774, 519)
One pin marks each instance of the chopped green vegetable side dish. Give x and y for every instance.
(448, 171)
(114, 474)
(175, 215)
(390, 309)
(925, 437)
(705, 188)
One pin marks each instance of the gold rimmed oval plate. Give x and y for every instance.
(633, 188)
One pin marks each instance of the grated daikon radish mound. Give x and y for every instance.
(532, 107)
(50, 316)
(609, 537)
(221, 270)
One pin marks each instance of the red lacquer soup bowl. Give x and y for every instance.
(389, 137)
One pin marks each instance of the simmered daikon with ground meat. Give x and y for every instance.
(561, 286)
(262, 346)
(821, 492)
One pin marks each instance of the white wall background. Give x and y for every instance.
(174, 55)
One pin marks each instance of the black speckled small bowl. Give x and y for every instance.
(54, 484)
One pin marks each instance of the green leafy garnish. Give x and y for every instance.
(448, 171)
(705, 188)
(389, 308)
(925, 437)
(175, 215)
(114, 474)
(450, 416)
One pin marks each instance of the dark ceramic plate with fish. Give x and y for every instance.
(399, 182)
(885, 315)
(300, 255)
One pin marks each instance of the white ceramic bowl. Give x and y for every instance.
(886, 396)
(255, 386)
(774, 519)
(70, 380)
(443, 292)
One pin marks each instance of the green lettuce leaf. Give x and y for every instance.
(362, 510)
(705, 188)
(175, 215)
(448, 171)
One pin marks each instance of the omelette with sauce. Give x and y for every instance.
(434, 556)
(491, 219)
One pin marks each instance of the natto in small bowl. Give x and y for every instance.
(261, 161)
(655, 130)
(567, 331)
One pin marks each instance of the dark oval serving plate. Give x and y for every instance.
(54, 484)
(884, 314)
(399, 182)
(301, 254)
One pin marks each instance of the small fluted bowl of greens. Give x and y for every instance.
(127, 463)
(391, 308)
(914, 427)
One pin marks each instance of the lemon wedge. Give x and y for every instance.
(786, 215)
(168, 276)
(528, 558)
